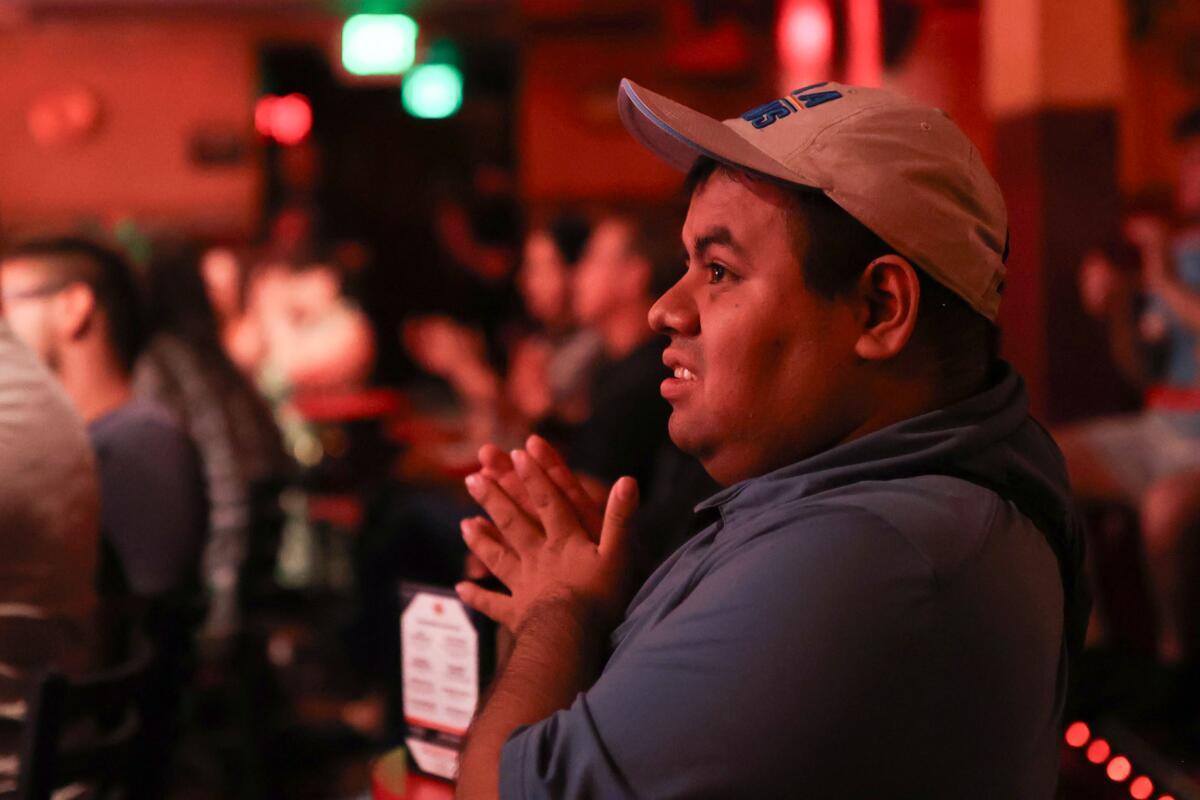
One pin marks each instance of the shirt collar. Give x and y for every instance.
(874, 455)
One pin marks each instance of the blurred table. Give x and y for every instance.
(419, 787)
(347, 406)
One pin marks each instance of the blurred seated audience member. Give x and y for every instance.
(185, 369)
(548, 363)
(49, 512)
(413, 531)
(550, 371)
(457, 353)
(84, 318)
(82, 314)
(622, 428)
(312, 336)
(626, 265)
(225, 285)
(1151, 460)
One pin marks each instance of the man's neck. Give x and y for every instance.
(624, 330)
(95, 382)
(912, 399)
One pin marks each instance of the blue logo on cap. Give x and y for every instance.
(797, 100)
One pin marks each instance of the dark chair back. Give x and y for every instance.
(84, 729)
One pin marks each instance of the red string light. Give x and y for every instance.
(1141, 788)
(1119, 768)
(1098, 751)
(1078, 734)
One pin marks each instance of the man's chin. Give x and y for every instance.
(687, 436)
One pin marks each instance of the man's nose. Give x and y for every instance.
(674, 312)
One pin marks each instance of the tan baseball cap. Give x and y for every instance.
(902, 169)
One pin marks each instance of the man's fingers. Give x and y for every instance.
(499, 467)
(473, 568)
(494, 605)
(515, 527)
(553, 509)
(484, 541)
(588, 510)
(618, 516)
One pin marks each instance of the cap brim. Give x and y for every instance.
(678, 135)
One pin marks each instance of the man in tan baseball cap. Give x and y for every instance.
(882, 599)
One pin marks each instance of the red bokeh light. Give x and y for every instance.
(1119, 768)
(1166, 797)
(1141, 788)
(1098, 751)
(1078, 734)
(292, 119)
(263, 114)
(805, 32)
(287, 119)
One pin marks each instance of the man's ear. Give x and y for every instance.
(74, 308)
(890, 293)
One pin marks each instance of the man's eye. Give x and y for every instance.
(716, 273)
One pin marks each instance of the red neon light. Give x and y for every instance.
(1078, 734)
(805, 32)
(1119, 768)
(1098, 751)
(1141, 788)
(864, 63)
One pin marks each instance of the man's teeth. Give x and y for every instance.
(684, 374)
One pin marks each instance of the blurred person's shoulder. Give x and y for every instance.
(49, 494)
(36, 416)
(141, 425)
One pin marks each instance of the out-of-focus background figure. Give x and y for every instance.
(77, 306)
(1149, 461)
(50, 516)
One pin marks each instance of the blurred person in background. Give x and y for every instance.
(225, 286)
(626, 264)
(185, 370)
(311, 335)
(549, 357)
(49, 515)
(1151, 460)
(77, 306)
(550, 366)
(622, 427)
(286, 319)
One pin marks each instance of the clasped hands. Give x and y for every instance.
(547, 540)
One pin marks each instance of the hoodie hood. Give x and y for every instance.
(988, 439)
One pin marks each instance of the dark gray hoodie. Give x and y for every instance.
(887, 619)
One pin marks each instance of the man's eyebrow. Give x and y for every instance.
(718, 235)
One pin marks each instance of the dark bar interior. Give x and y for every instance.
(416, 399)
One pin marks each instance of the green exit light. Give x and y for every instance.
(379, 44)
(433, 91)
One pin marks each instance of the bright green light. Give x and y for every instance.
(379, 44)
(433, 91)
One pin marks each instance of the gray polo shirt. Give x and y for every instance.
(884, 619)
